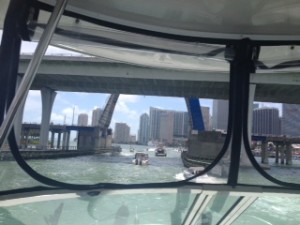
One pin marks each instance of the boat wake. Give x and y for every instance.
(201, 179)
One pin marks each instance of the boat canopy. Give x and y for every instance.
(186, 37)
(243, 52)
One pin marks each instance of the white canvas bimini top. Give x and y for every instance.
(226, 19)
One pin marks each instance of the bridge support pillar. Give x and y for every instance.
(66, 140)
(48, 97)
(282, 149)
(288, 154)
(24, 141)
(85, 140)
(58, 140)
(52, 139)
(264, 153)
(277, 153)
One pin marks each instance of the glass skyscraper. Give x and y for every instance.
(291, 120)
(143, 136)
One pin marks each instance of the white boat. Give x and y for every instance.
(131, 149)
(160, 151)
(150, 149)
(141, 159)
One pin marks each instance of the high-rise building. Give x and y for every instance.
(132, 139)
(266, 121)
(143, 135)
(206, 117)
(160, 127)
(96, 116)
(154, 123)
(291, 119)
(166, 126)
(220, 114)
(82, 119)
(122, 133)
(181, 124)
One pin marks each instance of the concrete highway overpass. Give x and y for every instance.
(87, 74)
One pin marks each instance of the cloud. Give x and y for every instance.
(81, 94)
(66, 115)
(33, 108)
(59, 99)
(122, 107)
(125, 114)
(33, 101)
(28, 48)
(57, 118)
(35, 93)
(69, 113)
(129, 98)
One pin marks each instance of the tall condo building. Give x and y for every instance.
(132, 138)
(206, 117)
(266, 121)
(122, 133)
(291, 119)
(96, 116)
(166, 126)
(154, 123)
(143, 135)
(181, 124)
(220, 114)
(82, 119)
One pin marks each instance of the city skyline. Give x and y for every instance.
(128, 108)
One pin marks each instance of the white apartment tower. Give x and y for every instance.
(96, 116)
(122, 133)
(220, 114)
(82, 119)
(165, 125)
(206, 117)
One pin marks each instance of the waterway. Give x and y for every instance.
(118, 168)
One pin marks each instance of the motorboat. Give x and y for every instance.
(240, 51)
(160, 151)
(116, 149)
(192, 171)
(141, 159)
(131, 149)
